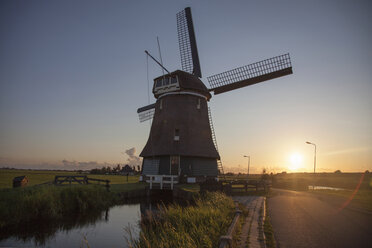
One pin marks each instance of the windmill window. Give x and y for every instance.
(176, 134)
(198, 105)
(165, 81)
(173, 80)
(158, 83)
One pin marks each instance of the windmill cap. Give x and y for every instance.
(187, 82)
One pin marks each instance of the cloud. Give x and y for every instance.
(133, 160)
(76, 165)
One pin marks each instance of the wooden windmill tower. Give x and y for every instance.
(182, 140)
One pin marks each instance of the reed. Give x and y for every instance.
(49, 203)
(198, 225)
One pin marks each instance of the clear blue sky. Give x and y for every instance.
(73, 73)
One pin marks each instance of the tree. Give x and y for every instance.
(337, 171)
(264, 175)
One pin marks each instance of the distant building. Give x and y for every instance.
(127, 170)
(20, 181)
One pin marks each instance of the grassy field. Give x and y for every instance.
(36, 177)
(362, 199)
(50, 203)
(300, 181)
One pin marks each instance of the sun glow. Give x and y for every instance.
(296, 162)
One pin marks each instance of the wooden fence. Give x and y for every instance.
(59, 180)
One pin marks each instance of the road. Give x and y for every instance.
(301, 219)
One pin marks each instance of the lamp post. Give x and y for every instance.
(307, 142)
(249, 161)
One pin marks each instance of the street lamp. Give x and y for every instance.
(307, 142)
(249, 161)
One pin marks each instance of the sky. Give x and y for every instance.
(73, 73)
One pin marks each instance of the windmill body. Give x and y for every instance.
(182, 140)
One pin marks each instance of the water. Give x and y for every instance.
(323, 187)
(104, 229)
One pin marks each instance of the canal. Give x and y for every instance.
(101, 229)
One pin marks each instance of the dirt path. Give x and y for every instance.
(251, 233)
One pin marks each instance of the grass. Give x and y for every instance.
(268, 229)
(189, 187)
(47, 203)
(50, 203)
(36, 177)
(199, 225)
(119, 188)
(300, 181)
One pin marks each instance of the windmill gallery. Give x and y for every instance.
(182, 140)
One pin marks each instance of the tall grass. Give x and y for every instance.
(199, 225)
(49, 203)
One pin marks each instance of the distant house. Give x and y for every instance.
(20, 181)
(127, 170)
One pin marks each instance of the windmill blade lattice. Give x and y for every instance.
(146, 113)
(187, 43)
(251, 74)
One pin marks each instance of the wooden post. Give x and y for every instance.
(107, 185)
(150, 182)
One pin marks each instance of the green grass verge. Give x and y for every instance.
(119, 188)
(301, 181)
(36, 177)
(199, 225)
(268, 230)
(189, 187)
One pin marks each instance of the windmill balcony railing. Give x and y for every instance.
(162, 180)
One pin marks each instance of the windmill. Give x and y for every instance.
(182, 139)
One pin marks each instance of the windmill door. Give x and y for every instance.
(174, 165)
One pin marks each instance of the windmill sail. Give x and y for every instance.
(146, 113)
(187, 43)
(251, 74)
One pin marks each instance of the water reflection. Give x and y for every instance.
(324, 187)
(102, 229)
(99, 229)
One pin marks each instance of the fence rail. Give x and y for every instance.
(164, 181)
(226, 240)
(59, 180)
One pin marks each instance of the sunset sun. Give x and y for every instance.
(295, 161)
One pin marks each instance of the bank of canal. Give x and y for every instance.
(96, 228)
